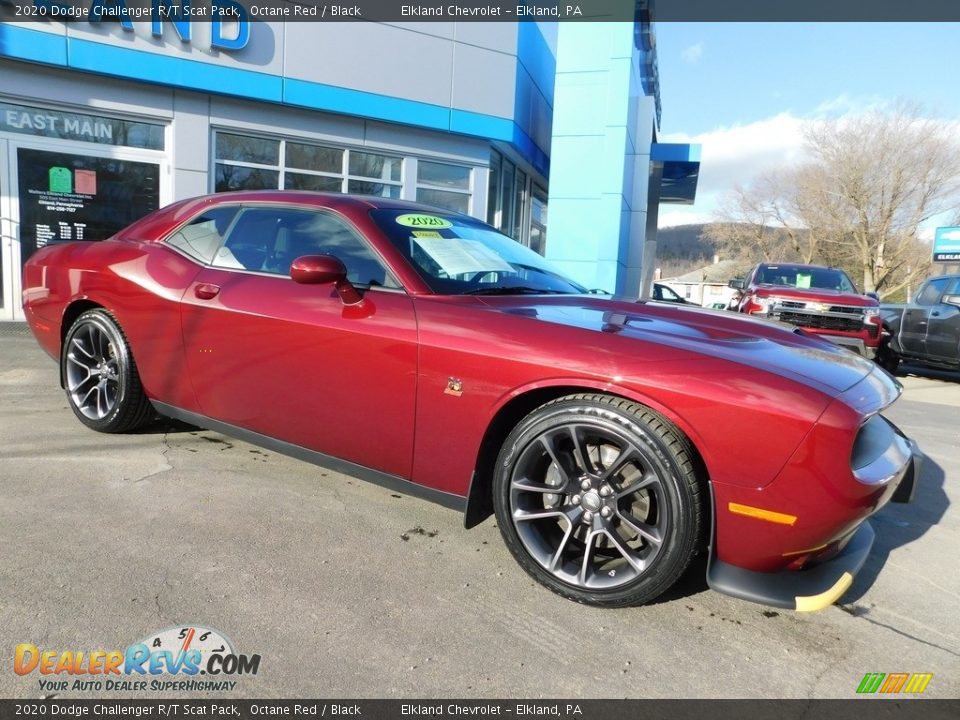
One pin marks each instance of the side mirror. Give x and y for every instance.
(873, 295)
(952, 300)
(737, 284)
(324, 269)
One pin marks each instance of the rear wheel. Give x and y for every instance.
(102, 383)
(599, 500)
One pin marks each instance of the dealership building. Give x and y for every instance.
(546, 130)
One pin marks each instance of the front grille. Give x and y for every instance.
(822, 322)
(849, 309)
(792, 304)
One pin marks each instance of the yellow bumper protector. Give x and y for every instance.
(812, 603)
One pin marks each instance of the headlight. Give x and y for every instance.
(871, 312)
(765, 304)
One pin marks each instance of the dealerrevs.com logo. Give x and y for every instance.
(189, 658)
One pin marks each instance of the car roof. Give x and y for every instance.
(802, 266)
(333, 199)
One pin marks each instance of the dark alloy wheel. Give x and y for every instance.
(598, 498)
(101, 379)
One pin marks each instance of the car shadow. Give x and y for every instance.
(930, 373)
(692, 582)
(161, 425)
(897, 525)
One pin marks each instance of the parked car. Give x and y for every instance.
(821, 300)
(926, 330)
(665, 293)
(423, 350)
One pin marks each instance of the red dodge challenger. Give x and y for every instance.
(422, 350)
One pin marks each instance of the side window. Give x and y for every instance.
(201, 237)
(930, 295)
(269, 239)
(670, 295)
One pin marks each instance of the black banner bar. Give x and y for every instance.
(875, 707)
(480, 10)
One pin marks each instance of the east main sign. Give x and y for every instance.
(229, 20)
(946, 245)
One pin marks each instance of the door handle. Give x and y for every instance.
(935, 313)
(206, 291)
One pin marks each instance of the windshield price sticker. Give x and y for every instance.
(457, 257)
(423, 221)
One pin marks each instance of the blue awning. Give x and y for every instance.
(680, 169)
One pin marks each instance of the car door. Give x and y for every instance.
(943, 327)
(290, 360)
(916, 317)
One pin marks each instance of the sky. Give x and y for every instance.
(743, 90)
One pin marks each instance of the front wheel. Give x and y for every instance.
(599, 499)
(102, 383)
(888, 359)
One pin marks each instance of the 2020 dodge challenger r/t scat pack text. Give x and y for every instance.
(421, 349)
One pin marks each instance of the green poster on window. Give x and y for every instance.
(803, 281)
(60, 180)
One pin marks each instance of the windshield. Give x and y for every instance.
(461, 256)
(804, 277)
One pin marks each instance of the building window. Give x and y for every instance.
(372, 174)
(444, 185)
(519, 205)
(507, 179)
(538, 219)
(312, 167)
(245, 162)
(66, 125)
(493, 189)
(515, 205)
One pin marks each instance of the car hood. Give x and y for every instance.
(814, 295)
(763, 344)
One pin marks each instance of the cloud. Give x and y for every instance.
(693, 53)
(734, 156)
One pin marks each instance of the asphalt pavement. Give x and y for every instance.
(348, 590)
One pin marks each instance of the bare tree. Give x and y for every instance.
(744, 224)
(870, 182)
(880, 176)
(765, 221)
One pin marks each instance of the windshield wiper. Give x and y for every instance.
(513, 290)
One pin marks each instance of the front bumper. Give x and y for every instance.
(857, 345)
(803, 590)
(860, 341)
(820, 584)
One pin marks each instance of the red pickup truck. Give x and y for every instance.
(819, 299)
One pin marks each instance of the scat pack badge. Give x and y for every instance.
(188, 658)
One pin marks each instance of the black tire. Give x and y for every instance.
(600, 500)
(888, 359)
(100, 376)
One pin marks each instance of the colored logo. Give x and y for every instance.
(186, 653)
(890, 683)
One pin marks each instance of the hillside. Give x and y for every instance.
(683, 248)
